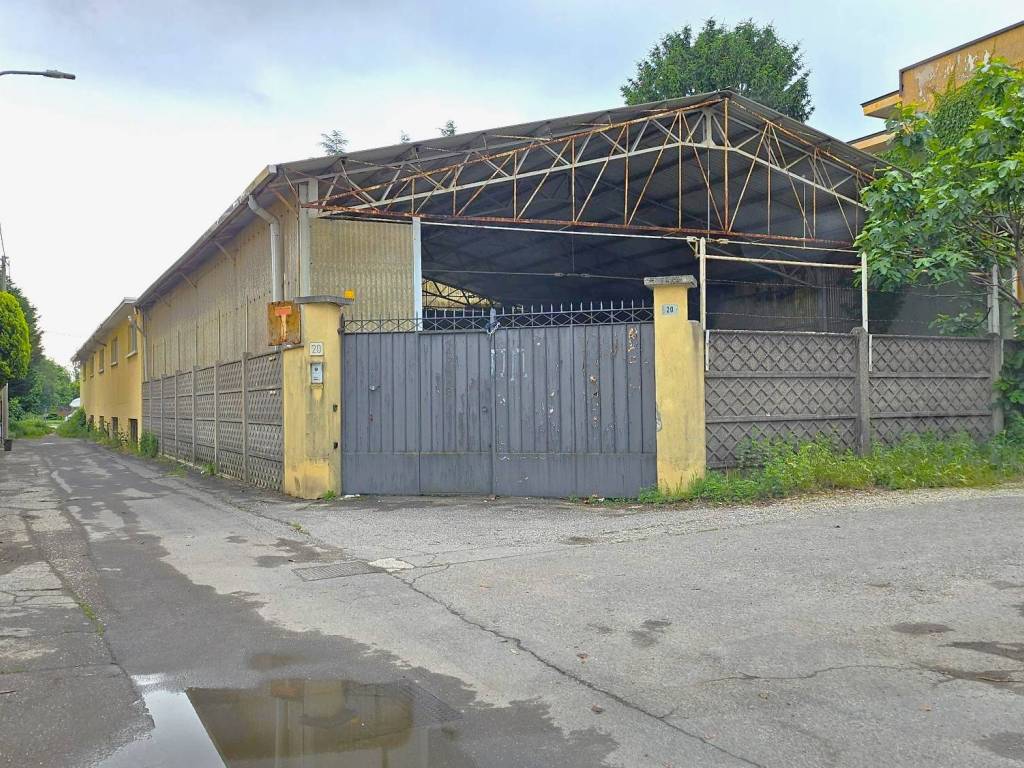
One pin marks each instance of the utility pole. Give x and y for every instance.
(54, 74)
(4, 411)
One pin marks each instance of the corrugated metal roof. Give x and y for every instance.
(238, 215)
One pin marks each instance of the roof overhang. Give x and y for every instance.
(126, 305)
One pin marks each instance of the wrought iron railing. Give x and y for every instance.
(542, 316)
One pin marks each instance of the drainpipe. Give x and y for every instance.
(276, 271)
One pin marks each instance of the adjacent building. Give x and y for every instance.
(110, 367)
(920, 82)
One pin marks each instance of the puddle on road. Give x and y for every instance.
(291, 722)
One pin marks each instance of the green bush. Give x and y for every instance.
(149, 445)
(786, 468)
(76, 425)
(30, 426)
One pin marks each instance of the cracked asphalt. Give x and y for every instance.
(863, 629)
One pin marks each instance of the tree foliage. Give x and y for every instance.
(749, 58)
(333, 143)
(44, 385)
(15, 349)
(448, 129)
(956, 208)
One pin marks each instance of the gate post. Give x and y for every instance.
(311, 400)
(678, 384)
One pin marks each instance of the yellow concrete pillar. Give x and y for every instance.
(312, 401)
(679, 384)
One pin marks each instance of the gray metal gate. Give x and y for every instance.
(552, 410)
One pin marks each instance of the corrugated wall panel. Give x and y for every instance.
(372, 258)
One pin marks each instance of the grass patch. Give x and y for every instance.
(29, 427)
(329, 494)
(297, 527)
(92, 616)
(776, 469)
(177, 470)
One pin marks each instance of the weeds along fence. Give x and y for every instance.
(228, 416)
(852, 388)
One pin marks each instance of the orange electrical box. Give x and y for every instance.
(284, 325)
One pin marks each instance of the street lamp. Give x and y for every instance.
(54, 73)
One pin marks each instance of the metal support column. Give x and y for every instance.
(864, 291)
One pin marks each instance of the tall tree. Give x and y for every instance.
(333, 143)
(957, 210)
(15, 350)
(749, 58)
(448, 129)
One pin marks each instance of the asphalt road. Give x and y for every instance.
(151, 619)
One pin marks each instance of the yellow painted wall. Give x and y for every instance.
(373, 258)
(679, 385)
(117, 391)
(920, 83)
(312, 412)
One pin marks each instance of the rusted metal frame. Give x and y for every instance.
(572, 177)
(542, 180)
(650, 175)
(725, 175)
(558, 157)
(789, 177)
(801, 141)
(750, 173)
(480, 189)
(814, 191)
(604, 167)
(355, 190)
(708, 188)
(842, 210)
(391, 184)
(625, 186)
(785, 169)
(437, 186)
(602, 130)
(505, 177)
(561, 225)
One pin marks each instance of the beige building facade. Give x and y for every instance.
(920, 82)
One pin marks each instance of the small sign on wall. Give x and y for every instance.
(316, 349)
(283, 323)
(670, 309)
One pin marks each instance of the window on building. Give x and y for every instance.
(113, 352)
(133, 337)
(114, 430)
(133, 430)
(100, 355)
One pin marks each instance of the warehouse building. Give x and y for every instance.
(552, 223)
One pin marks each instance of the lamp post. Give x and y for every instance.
(54, 74)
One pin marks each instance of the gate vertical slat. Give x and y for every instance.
(617, 362)
(386, 382)
(606, 401)
(634, 390)
(648, 410)
(374, 426)
(564, 387)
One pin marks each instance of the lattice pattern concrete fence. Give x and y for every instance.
(852, 388)
(228, 415)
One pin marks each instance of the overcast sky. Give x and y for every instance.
(178, 105)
